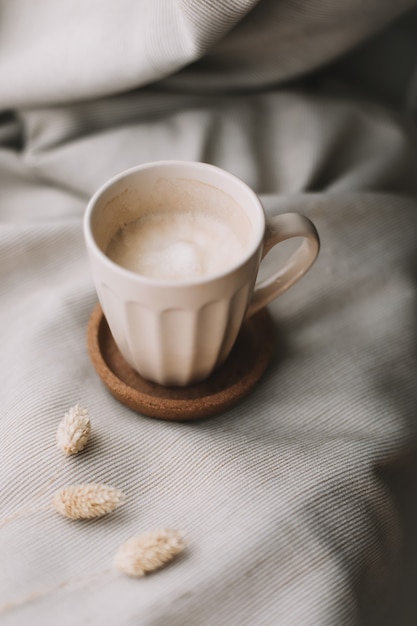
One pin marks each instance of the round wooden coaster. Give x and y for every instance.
(227, 385)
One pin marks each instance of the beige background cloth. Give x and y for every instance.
(298, 503)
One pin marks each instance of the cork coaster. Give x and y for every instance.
(231, 382)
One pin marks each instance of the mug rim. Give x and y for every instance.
(161, 282)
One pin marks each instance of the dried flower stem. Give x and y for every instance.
(44, 488)
(22, 513)
(36, 595)
(40, 492)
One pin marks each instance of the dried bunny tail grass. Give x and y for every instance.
(74, 430)
(87, 501)
(148, 552)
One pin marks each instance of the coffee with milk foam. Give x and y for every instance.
(180, 246)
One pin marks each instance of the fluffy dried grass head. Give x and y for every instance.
(87, 501)
(74, 430)
(148, 552)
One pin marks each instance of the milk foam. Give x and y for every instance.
(176, 246)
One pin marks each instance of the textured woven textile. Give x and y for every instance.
(297, 504)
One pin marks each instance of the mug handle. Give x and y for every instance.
(278, 229)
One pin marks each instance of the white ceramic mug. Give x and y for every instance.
(177, 333)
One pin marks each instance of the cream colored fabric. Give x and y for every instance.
(296, 504)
